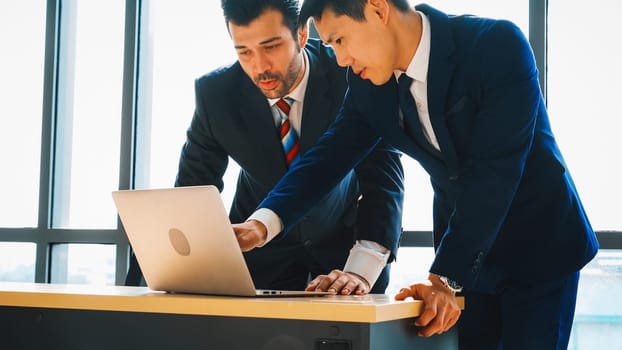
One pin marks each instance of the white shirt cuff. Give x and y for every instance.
(367, 259)
(273, 223)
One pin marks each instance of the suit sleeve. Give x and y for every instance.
(203, 161)
(381, 182)
(502, 135)
(340, 149)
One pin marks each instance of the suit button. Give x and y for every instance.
(307, 243)
(477, 262)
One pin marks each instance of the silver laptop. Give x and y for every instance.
(184, 242)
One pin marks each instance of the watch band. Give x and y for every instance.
(451, 284)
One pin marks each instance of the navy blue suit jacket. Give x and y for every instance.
(233, 119)
(504, 202)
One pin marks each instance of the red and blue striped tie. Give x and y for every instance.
(289, 139)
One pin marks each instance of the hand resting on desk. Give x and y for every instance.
(344, 283)
(440, 308)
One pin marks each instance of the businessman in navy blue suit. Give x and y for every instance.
(237, 116)
(510, 232)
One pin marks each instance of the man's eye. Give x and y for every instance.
(338, 41)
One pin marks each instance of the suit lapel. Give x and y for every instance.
(261, 132)
(317, 113)
(440, 71)
(390, 127)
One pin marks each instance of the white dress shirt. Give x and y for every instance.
(418, 70)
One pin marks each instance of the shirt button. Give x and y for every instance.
(307, 243)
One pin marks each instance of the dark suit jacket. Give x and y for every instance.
(504, 205)
(233, 119)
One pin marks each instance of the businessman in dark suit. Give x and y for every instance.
(509, 229)
(238, 114)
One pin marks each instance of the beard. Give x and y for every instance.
(285, 81)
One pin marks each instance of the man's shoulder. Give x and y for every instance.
(222, 76)
(315, 45)
(324, 68)
(324, 55)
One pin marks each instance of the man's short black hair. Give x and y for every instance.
(354, 9)
(243, 12)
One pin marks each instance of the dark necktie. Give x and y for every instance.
(289, 139)
(412, 124)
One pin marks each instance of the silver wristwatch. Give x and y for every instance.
(451, 284)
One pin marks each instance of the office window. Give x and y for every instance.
(180, 41)
(83, 264)
(88, 113)
(584, 90)
(17, 262)
(418, 199)
(22, 38)
(411, 265)
(598, 317)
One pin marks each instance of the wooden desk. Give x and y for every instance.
(53, 316)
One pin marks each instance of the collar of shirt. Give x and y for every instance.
(298, 94)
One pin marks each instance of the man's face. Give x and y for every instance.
(269, 54)
(367, 46)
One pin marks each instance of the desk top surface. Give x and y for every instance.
(370, 308)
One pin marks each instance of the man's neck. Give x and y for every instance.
(408, 28)
(301, 72)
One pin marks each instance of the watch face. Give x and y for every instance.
(451, 284)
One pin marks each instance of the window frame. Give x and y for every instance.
(44, 236)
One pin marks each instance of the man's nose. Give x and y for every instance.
(343, 58)
(261, 63)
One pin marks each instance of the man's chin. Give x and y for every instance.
(271, 93)
(378, 81)
(373, 78)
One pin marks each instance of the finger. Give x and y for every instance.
(350, 287)
(355, 286)
(445, 318)
(360, 284)
(435, 326)
(331, 281)
(335, 281)
(321, 283)
(339, 284)
(429, 313)
(243, 241)
(362, 290)
(403, 294)
(248, 241)
(312, 285)
(430, 330)
(452, 320)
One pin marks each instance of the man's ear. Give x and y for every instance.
(380, 9)
(303, 35)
